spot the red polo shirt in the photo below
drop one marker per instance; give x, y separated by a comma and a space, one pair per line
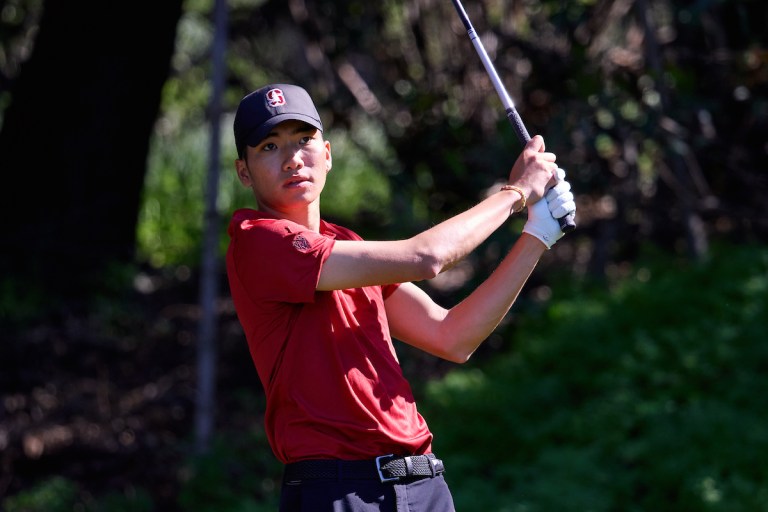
334, 386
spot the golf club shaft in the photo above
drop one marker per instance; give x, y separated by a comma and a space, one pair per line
567, 223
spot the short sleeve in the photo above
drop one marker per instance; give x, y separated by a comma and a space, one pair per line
278, 260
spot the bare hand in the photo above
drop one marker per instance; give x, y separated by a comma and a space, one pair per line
534, 171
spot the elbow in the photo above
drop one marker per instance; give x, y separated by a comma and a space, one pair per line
429, 267
455, 344
459, 354
423, 266
428, 263
457, 358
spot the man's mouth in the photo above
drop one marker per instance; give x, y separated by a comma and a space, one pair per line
295, 181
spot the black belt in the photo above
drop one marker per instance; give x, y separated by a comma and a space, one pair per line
386, 468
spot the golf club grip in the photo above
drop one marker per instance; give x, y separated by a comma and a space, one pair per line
517, 124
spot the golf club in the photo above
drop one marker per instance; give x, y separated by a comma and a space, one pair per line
567, 223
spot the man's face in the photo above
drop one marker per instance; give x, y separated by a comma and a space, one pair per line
287, 169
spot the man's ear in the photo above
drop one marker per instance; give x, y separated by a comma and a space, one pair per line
242, 172
328, 157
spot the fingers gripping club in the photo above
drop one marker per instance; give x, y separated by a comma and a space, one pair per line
567, 222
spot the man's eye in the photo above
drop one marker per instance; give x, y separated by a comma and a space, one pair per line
269, 146
306, 139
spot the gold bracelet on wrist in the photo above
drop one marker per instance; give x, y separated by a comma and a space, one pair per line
522, 196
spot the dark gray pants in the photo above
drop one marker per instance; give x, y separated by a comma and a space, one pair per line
416, 495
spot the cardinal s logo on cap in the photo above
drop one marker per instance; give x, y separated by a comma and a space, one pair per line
275, 98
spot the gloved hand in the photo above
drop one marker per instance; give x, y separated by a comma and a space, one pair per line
557, 202
560, 200
541, 224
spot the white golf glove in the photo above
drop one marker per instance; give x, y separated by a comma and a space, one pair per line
560, 200
556, 203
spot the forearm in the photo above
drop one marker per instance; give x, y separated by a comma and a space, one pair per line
470, 322
354, 264
453, 239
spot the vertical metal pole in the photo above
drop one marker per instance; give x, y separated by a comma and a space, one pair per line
205, 406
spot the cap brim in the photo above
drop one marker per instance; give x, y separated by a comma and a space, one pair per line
262, 131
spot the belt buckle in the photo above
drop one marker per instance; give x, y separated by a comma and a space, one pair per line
378, 469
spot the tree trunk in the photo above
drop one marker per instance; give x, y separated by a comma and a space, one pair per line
75, 139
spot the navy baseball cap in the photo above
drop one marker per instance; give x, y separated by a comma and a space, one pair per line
266, 107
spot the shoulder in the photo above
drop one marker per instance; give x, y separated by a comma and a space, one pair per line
339, 232
246, 221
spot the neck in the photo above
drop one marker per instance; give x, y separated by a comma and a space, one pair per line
308, 217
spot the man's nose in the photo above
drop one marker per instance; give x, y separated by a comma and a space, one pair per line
292, 159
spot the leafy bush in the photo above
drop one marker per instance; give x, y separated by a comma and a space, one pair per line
239, 474
133, 500
54, 495
59, 494
646, 396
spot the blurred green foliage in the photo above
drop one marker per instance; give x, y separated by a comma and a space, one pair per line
59, 494
358, 183
238, 474
647, 395
170, 222
54, 495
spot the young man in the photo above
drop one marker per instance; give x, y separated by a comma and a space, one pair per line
319, 307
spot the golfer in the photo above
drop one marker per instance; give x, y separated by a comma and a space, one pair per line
319, 307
